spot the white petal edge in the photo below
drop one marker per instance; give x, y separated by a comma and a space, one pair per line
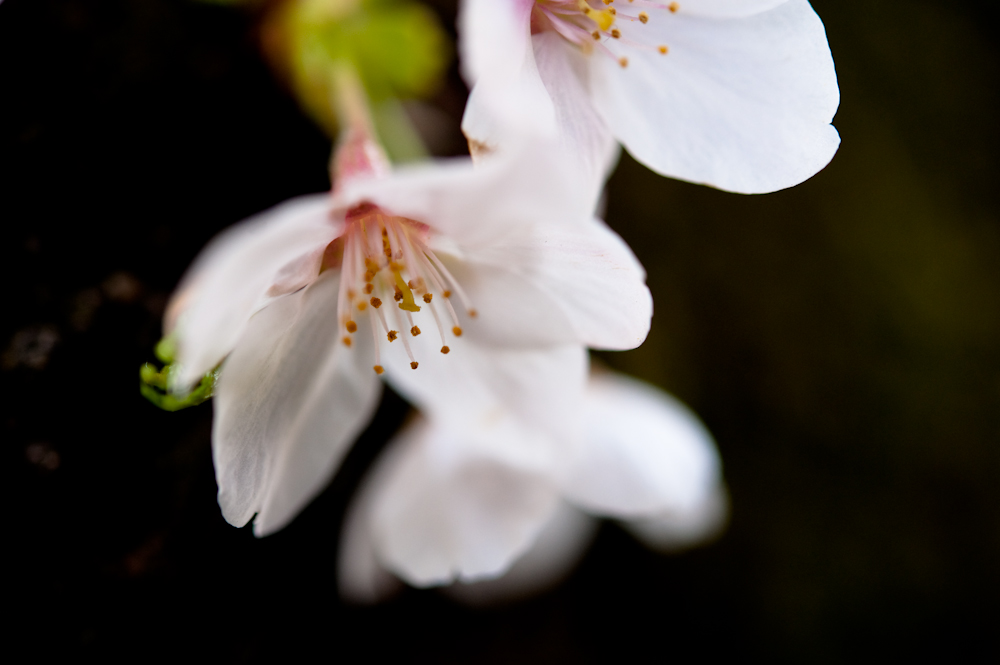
743, 104
726, 8
643, 453
289, 402
238, 273
556, 552
507, 98
556, 284
676, 532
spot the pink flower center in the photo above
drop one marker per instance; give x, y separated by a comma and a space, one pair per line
591, 23
385, 261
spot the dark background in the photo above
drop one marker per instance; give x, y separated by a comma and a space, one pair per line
841, 340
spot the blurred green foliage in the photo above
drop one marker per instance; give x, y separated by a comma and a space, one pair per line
397, 47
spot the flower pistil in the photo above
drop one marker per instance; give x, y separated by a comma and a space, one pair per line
386, 259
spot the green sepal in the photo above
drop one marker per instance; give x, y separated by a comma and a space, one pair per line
153, 384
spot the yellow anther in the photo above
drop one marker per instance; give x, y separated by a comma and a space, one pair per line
428, 297
473, 313
352, 327
392, 335
371, 265
398, 295
369, 275
414, 364
369, 288
378, 369
346, 341
447, 293
602, 17
643, 17
376, 303
414, 331
673, 6
407, 299
445, 349
595, 34
616, 33
663, 49
614, 12
362, 306
456, 331
623, 62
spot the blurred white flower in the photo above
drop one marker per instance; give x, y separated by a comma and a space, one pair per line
737, 94
503, 508
488, 282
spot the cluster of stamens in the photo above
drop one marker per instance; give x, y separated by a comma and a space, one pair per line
588, 24
385, 260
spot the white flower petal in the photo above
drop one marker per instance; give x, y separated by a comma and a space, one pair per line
643, 453
559, 547
557, 284
238, 273
475, 386
361, 579
448, 510
743, 104
674, 532
474, 207
582, 132
507, 97
289, 402
495, 34
726, 8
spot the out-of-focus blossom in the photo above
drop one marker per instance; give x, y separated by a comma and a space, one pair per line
502, 508
472, 290
737, 94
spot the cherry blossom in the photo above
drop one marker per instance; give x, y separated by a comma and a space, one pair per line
463, 287
736, 94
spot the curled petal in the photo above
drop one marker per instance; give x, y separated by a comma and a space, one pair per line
643, 454
743, 104
290, 400
240, 272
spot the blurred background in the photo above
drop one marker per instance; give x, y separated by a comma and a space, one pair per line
840, 339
